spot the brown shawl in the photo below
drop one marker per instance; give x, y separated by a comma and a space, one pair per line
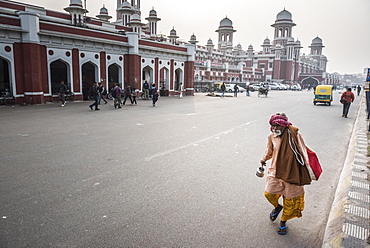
288, 168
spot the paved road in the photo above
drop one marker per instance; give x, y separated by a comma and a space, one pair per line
178, 174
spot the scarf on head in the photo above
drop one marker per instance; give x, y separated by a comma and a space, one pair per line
290, 163
279, 120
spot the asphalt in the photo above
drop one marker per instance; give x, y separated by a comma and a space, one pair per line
348, 223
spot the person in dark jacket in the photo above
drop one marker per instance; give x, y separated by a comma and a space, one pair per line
128, 92
95, 94
62, 93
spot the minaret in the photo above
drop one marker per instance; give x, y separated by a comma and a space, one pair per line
283, 27
104, 14
225, 34
153, 19
135, 23
266, 46
77, 11
125, 11
173, 36
193, 39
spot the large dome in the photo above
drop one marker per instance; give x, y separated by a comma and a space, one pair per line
226, 22
284, 15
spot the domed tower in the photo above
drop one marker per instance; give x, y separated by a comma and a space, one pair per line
135, 23
173, 36
210, 45
283, 27
266, 46
77, 11
104, 14
193, 39
124, 12
153, 19
225, 34
316, 46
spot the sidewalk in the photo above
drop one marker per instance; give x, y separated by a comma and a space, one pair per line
348, 224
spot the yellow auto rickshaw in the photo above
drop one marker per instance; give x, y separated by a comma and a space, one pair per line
323, 94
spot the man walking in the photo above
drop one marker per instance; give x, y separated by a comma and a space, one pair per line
348, 97
223, 89
95, 94
117, 93
102, 93
62, 93
146, 90
128, 92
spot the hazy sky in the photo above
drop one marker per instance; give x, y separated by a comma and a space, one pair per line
343, 25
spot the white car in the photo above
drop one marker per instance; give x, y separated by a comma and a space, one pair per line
295, 87
274, 86
230, 88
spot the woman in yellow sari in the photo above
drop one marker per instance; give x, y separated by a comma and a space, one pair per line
288, 173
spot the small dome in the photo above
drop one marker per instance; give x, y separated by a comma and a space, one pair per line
75, 3
266, 41
173, 31
284, 15
250, 47
317, 41
226, 22
104, 11
193, 37
278, 46
126, 5
298, 42
153, 13
135, 18
209, 42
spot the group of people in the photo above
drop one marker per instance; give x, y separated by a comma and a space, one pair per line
120, 97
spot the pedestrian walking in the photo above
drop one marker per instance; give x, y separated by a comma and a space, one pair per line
102, 93
154, 94
236, 88
134, 94
128, 92
223, 89
346, 99
62, 93
247, 91
358, 90
95, 94
146, 90
117, 96
288, 171
181, 89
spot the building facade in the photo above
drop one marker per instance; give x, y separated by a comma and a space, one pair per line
40, 47
278, 61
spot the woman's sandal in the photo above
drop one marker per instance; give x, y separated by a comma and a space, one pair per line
274, 214
282, 230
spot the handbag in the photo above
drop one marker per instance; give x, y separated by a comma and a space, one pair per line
314, 164
342, 101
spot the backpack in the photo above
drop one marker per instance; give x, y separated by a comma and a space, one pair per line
114, 93
104, 92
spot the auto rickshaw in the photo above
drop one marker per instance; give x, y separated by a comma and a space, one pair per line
323, 94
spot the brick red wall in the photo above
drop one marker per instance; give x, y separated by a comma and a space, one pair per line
132, 69
189, 77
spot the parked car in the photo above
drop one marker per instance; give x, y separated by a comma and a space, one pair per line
295, 87
282, 86
230, 88
274, 86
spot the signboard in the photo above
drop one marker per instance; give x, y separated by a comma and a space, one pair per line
368, 75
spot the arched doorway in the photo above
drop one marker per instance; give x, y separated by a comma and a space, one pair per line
58, 73
309, 83
147, 75
164, 84
178, 79
5, 85
88, 78
113, 75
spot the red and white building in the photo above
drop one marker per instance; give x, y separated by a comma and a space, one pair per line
279, 61
41, 47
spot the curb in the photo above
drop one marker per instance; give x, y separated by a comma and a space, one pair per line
348, 222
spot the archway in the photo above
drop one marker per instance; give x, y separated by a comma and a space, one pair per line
309, 83
58, 73
164, 84
88, 78
147, 75
178, 79
5, 85
113, 75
